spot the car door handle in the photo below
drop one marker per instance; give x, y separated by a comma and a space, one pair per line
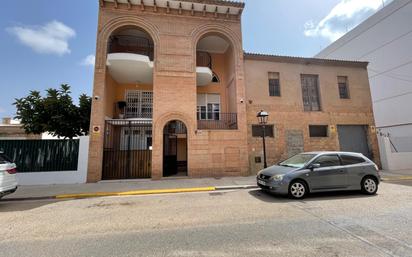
341, 171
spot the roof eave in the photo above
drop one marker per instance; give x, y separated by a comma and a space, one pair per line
218, 2
304, 60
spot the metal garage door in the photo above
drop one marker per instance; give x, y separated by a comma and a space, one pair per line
354, 139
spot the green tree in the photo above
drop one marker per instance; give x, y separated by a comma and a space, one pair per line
55, 113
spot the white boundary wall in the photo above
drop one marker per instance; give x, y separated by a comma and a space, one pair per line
384, 40
394, 161
78, 176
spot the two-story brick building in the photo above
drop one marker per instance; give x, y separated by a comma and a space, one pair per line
174, 94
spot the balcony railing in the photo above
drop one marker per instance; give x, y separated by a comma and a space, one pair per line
131, 44
203, 59
219, 121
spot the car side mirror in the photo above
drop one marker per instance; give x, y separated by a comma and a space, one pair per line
314, 166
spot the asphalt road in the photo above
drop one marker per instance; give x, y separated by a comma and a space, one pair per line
232, 223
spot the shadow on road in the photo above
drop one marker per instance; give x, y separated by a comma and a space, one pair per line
273, 198
13, 206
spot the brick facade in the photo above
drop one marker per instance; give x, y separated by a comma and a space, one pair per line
291, 122
175, 34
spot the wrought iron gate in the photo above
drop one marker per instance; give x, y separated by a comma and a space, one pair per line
127, 149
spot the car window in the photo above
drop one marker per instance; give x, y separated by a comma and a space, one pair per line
4, 159
298, 161
349, 160
328, 160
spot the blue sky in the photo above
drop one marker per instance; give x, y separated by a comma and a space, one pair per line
45, 43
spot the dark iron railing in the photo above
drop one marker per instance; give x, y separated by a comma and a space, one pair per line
220, 121
42, 155
203, 59
131, 44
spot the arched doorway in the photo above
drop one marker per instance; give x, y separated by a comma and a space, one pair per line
175, 149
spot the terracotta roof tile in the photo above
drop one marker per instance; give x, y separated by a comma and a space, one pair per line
304, 60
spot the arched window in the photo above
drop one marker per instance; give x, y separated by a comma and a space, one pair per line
215, 78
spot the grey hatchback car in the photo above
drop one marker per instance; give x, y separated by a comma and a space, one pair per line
319, 172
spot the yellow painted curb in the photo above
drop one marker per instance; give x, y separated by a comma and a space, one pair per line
138, 192
395, 178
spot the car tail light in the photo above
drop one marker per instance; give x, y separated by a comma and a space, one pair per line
12, 171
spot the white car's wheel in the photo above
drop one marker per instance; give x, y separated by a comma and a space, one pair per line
298, 189
369, 185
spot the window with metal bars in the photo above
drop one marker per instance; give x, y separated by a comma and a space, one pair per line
274, 84
343, 87
310, 93
139, 104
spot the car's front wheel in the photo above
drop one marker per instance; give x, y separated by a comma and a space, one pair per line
298, 189
369, 185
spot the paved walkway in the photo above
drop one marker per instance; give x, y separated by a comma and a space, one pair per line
397, 174
174, 184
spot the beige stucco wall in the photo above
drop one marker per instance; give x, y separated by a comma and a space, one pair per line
181, 149
116, 92
286, 112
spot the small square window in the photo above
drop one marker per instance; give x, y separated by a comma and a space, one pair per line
343, 87
274, 84
318, 130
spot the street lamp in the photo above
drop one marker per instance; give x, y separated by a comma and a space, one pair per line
263, 120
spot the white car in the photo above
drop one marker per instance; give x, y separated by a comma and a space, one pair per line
8, 177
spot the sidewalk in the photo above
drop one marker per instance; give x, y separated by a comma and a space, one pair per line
396, 175
130, 187
147, 186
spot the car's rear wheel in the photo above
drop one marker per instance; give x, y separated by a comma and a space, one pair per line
298, 189
369, 185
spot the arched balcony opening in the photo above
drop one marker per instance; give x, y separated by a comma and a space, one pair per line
129, 80
216, 83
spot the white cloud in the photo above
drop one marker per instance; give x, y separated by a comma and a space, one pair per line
51, 38
89, 60
343, 17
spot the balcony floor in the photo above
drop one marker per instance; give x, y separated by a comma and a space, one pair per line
130, 68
